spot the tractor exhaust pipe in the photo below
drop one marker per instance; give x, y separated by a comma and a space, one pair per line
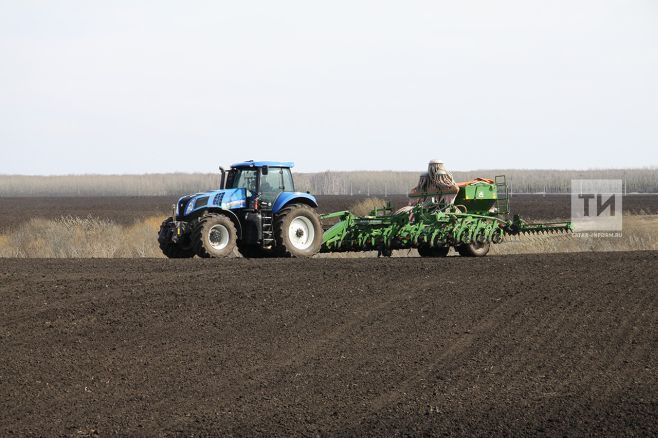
222, 179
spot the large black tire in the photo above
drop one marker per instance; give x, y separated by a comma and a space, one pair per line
303, 223
170, 249
433, 251
214, 235
473, 249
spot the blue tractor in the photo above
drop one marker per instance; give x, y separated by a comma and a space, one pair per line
256, 209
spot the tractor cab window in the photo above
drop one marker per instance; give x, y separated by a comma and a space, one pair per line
288, 184
242, 178
275, 181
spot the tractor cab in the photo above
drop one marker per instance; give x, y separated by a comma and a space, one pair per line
265, 180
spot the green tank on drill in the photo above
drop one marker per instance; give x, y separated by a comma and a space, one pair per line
478, 218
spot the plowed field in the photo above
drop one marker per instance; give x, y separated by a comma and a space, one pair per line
534, 344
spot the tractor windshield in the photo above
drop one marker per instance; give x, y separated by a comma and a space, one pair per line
275, 181
242, 178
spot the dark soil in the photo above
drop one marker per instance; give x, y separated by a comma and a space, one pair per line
536, 344
121, 209
126, 210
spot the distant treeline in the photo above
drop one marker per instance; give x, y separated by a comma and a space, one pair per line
322, 183
520, 180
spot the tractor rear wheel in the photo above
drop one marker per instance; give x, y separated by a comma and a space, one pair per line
433, 251
173, 250
298, 231
214, 235
473, 249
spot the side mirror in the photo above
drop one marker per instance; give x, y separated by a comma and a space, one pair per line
265, 170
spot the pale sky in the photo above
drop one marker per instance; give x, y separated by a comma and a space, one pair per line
158, 86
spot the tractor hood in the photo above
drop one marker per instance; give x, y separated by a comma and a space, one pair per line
227, 199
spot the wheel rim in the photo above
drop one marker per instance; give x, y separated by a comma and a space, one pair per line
301, 232
218, 237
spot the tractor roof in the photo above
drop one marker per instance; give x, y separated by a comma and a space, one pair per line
252, 163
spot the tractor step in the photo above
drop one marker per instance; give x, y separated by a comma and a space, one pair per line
267, 224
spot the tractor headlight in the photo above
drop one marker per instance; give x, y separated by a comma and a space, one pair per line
190, 207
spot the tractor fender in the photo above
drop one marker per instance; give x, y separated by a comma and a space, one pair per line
287, 198
231, 215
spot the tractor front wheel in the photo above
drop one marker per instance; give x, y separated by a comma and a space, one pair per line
298, 231
473, 249
171, 249
214, 235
